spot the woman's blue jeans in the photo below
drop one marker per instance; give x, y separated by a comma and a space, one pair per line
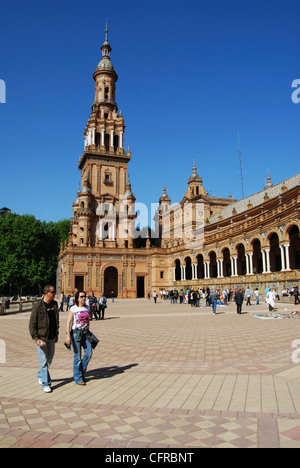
45, 355
214, 305
80, 365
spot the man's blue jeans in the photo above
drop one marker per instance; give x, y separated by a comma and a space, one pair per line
214, 305
80, 365
45, 356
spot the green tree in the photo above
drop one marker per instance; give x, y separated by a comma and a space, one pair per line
4, 211
29, 251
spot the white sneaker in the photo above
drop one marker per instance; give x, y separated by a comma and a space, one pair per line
40, 381
47, 390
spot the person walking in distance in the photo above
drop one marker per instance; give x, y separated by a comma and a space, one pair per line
93, 306
214, 296
77, 330
44, 329
256, 294
239, 298
248, 294
102, 306
296, 295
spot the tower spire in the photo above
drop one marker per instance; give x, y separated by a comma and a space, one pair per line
106, 32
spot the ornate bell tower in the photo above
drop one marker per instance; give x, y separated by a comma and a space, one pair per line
104, 185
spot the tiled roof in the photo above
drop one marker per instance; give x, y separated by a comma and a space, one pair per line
256, 199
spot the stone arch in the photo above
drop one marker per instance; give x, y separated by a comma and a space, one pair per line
294, 249
200, 265
111, 276
241, 258
287, 229
257, 259
226, 257
269, 234
213, 265
226, 246
188, 268
177, 266
275, 253
254, 238
236, 245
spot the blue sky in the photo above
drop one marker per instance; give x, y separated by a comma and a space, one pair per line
192, 75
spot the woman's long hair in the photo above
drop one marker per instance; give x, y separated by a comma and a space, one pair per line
77, 296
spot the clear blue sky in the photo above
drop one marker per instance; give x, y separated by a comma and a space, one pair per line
192, 74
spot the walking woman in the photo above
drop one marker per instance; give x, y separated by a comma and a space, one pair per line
77, 332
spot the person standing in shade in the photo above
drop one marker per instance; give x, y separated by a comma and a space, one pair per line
239, 301
77, 330
44, 328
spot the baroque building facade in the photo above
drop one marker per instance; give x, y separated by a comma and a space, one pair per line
202, 241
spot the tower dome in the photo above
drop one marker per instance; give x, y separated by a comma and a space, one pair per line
105, 63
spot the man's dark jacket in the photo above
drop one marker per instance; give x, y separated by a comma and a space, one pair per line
39, 321
239, 298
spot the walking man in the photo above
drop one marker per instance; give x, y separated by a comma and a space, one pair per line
248, 295
43, 328
239, 298
214, 296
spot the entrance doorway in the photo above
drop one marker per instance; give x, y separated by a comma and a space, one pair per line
140, 286
111, 282
79, 283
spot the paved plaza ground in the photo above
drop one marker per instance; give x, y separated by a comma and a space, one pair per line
163, 375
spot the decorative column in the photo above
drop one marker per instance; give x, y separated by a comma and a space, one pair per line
232, 266
221, 274
220, 268
249, 263
235, 259
287, 256
268, 260
102, 136
207, 269
112, 139
264, 261
282, 251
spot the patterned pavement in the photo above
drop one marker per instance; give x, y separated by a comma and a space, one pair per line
162, 376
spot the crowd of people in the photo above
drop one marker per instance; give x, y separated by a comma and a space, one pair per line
96, 307
213, 297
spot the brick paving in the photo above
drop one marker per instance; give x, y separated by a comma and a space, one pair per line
162, 375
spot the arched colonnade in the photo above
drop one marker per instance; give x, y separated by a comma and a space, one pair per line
278, 250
